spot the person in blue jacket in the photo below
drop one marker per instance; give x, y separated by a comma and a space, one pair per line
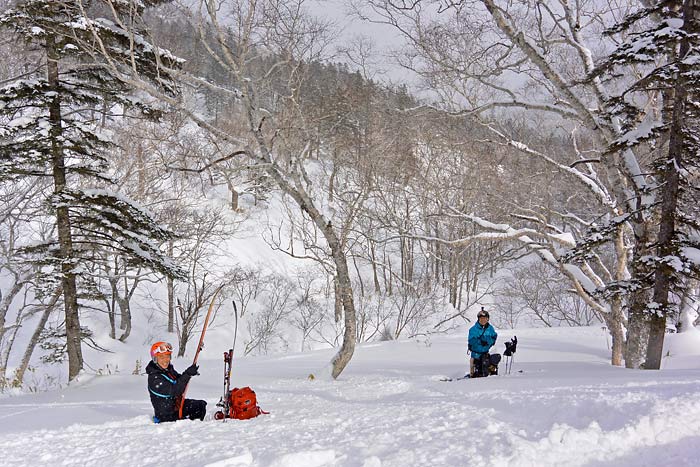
167, 385
482, 336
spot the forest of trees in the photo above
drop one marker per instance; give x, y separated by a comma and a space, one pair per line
545, 165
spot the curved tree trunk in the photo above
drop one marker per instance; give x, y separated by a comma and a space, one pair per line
344, 355
291, 181
24, 364
5, 303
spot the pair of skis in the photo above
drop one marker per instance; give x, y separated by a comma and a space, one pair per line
225, 402
447, 378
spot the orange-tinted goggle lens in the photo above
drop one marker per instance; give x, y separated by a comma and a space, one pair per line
163, 348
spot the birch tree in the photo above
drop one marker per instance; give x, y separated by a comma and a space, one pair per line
537, 57
662, 43
263, 49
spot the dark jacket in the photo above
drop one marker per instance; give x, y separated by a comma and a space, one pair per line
481, 339
165, 386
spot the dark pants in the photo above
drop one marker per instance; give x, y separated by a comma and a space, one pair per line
485, 365
192, 408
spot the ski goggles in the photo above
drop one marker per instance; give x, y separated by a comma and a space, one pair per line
480, 315
162, 348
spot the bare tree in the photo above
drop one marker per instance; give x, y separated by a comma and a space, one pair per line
275, 307
467, 51
537, 291
290, 38
246, 285
309, 313
45, 310
201, 232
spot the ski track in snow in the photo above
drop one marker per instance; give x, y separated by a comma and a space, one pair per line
387, 410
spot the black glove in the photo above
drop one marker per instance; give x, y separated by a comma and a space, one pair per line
483, 342
192, 370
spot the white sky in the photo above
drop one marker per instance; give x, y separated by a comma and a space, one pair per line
384, 37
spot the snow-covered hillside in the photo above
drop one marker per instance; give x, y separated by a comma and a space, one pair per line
562, 405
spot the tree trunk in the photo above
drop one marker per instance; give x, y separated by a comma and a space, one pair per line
359, 276
638, 317
375, 275
637, 329
388, 276
337, 301
5, 305
614, 323
234, 194
344, 355
63, 226
687, 306
124, 318
453, 279
111, 314
5, 355
331, 184
184, 337
670, 179
125, 310
171, 294
234, 199
26, 358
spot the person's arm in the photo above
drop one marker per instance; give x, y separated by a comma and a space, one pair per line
493, 336
181, 384
472, 340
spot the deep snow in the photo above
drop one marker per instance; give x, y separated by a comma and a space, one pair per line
568, 407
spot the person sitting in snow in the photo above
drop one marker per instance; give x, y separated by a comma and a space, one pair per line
167, 385
482, 336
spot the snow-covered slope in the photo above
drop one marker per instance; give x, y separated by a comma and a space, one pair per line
563, 405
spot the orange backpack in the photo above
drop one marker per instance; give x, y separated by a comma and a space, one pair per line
244, 404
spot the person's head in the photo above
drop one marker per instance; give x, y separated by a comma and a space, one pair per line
483, 317
160, 353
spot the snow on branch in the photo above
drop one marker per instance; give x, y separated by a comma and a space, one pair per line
592, 184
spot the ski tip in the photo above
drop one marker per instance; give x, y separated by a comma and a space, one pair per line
441, 378
451, 378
